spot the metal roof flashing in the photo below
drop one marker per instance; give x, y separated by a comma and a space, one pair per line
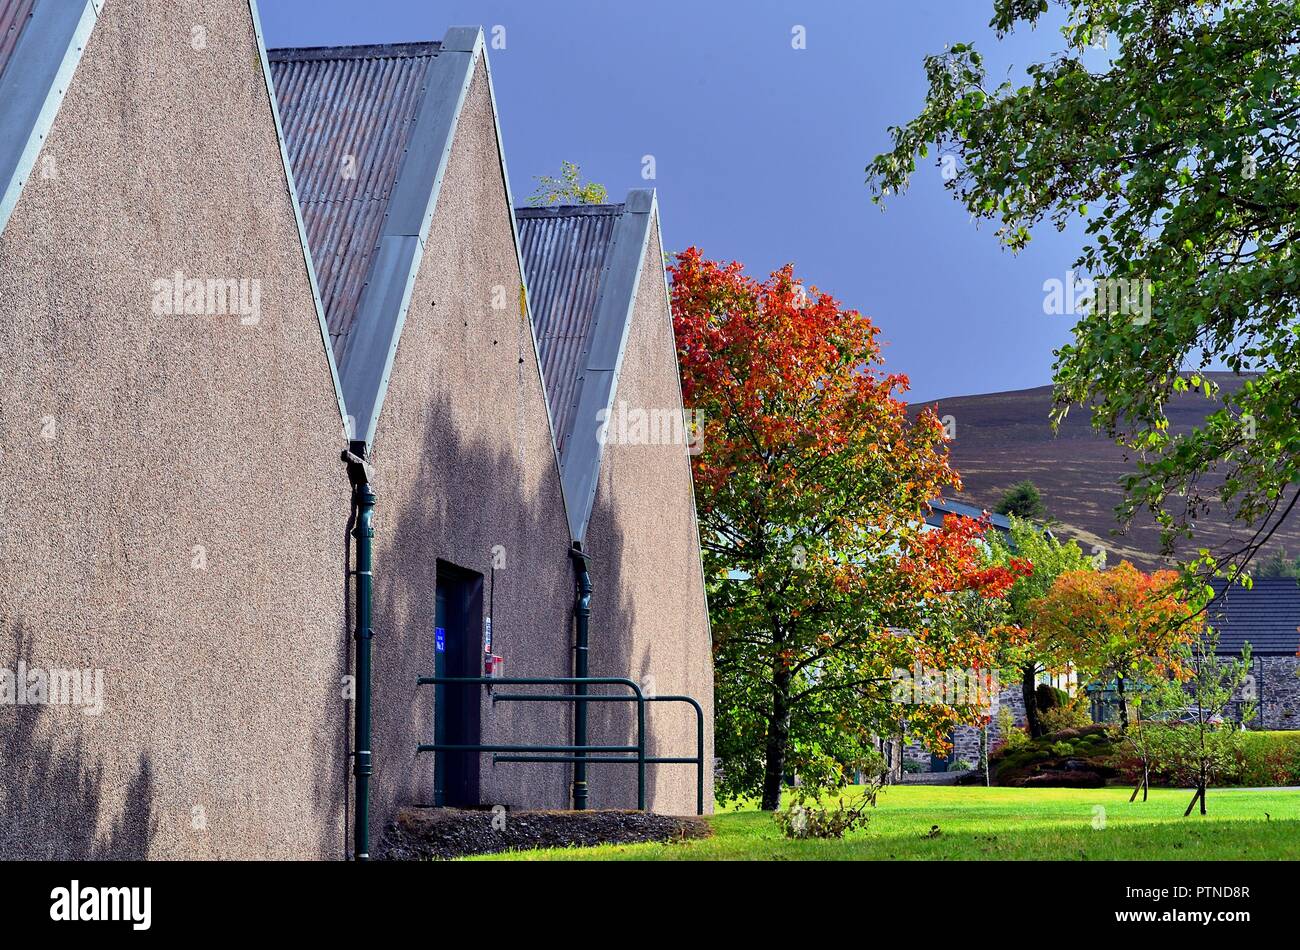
297, 214
42, 47
398, 105
584, 383
381, 313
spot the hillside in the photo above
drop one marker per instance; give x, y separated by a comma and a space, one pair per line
1002, 438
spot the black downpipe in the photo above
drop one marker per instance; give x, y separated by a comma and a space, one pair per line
582, 623
363, 500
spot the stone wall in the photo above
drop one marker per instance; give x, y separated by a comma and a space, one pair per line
966, 739
1276, 691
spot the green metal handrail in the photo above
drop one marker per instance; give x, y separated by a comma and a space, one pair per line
578, 753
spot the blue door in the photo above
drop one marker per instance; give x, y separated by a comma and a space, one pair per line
457, 651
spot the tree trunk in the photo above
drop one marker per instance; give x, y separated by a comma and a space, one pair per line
1123, 704
1031, 702
778, 739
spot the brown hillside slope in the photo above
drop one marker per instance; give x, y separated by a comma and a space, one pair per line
1002, 438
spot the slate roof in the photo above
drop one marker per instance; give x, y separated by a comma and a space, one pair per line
582, 267
941, 507
1266, 615
347, 114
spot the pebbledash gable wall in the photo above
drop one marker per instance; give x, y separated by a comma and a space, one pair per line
464, 464
649, 617
174, 504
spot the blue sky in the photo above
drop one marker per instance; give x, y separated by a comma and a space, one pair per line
759, 148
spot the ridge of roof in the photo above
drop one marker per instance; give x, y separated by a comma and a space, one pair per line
570, 211
292, 54
367, 352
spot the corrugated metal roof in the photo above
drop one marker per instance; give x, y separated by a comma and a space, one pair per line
582, 266
564, 249
1266, 616
348, 113
14, 15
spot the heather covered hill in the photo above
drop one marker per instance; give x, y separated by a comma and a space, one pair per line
1002, 438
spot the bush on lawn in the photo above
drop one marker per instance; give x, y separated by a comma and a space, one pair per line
1266, 758
1071, 758
808, 817
1255, 759
1011, 736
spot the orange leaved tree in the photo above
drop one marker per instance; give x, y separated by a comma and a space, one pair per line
1119, 622
812, 483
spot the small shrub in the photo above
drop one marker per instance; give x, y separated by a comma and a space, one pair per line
1073, 714
808, 817
911, 766
1012, 737
1266, 758
1062, 748
1049, 697
960, 765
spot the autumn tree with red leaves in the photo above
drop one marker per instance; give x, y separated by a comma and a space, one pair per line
812, 484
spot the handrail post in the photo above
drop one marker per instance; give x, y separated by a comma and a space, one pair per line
640, 752
699, 753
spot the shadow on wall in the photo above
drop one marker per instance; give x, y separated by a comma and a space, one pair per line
51, 794
465, 499
612, 647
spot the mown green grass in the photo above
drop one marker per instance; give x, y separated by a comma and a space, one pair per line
1002, 824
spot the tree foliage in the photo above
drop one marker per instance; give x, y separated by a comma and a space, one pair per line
1023, 500
811, 485
567, 189
1178, 147
1051, 557
1119, 622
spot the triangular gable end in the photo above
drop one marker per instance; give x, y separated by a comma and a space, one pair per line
35, 72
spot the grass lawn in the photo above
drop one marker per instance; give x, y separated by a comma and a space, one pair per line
1002, 824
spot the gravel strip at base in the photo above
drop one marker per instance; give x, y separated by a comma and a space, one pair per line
422, 834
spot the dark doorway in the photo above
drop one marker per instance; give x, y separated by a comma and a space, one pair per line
940, 763
458, 651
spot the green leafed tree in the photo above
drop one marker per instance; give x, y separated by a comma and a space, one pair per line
1051, 557
1199, 745
567, 189
1171, 130
1023, 500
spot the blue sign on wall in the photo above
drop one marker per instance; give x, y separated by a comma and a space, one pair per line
440, 639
